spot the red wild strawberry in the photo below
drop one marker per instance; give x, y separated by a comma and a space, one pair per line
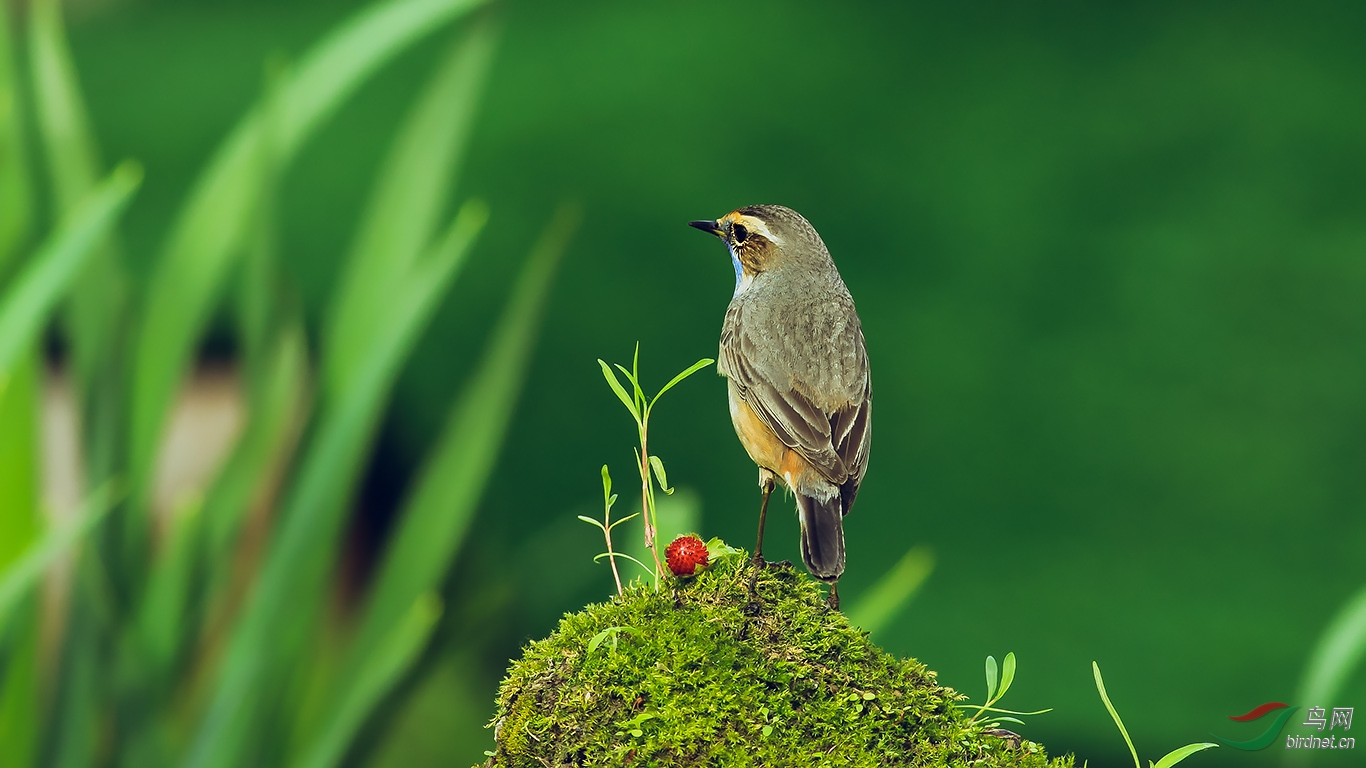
685, 555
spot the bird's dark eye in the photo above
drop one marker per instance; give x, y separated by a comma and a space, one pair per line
739, 233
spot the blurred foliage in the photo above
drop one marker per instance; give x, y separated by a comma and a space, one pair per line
1108, 259
180, 641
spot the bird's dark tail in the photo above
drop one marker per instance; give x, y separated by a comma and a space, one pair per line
822, 534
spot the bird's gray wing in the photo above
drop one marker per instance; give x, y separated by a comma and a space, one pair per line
798, 422
852, 436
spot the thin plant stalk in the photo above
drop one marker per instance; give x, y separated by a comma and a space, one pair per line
607, 499
650, 466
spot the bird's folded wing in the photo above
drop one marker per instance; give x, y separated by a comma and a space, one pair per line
800, 424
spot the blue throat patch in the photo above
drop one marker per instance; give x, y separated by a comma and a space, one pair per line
739, 270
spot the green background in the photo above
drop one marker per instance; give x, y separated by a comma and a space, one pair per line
1110, 261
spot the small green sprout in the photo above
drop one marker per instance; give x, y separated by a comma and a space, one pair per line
606, 526
996, 692
611, 633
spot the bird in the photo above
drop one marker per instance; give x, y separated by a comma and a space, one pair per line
796, 365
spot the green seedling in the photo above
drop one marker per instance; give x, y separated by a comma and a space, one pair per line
651, 467
1171, 758
995, 692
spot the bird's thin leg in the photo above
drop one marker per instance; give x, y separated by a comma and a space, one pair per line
758, 563
833, 601
763, 512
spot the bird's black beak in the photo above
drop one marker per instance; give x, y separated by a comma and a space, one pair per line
707, 225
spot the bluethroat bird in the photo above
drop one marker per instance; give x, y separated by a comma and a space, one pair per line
793, 354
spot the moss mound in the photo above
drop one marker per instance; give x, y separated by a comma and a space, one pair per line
707, 677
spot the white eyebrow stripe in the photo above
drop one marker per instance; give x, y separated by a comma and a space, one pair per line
758, 227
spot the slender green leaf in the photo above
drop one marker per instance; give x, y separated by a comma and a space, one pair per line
690, 370
991, 678
598, 557
1100, 686
628, 518
1007, 674
437, 514
635, 379
1177, 755
213, 225
607, 497
637, 394
591, 521
26, 306
1005, 711
617, 388
17, 210
658, 465
893, 590
296, 566
408, 200
392, 658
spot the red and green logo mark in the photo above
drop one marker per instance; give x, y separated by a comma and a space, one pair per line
1272, 731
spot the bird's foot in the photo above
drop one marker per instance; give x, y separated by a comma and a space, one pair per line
756, 564
833, 601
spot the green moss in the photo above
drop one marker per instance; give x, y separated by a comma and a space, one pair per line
708, 680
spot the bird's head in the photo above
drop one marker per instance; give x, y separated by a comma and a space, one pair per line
760, 237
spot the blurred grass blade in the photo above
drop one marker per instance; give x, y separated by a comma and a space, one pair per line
407, 202
72, 157
1337, 655
95, 306
392, 657
165, 612
22, 575
886, 598
277, 408
296, 564
249, 483
19, 530
16, 201
26, 306
77, 706
19, 447
258, 294
212, 227
439, 509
